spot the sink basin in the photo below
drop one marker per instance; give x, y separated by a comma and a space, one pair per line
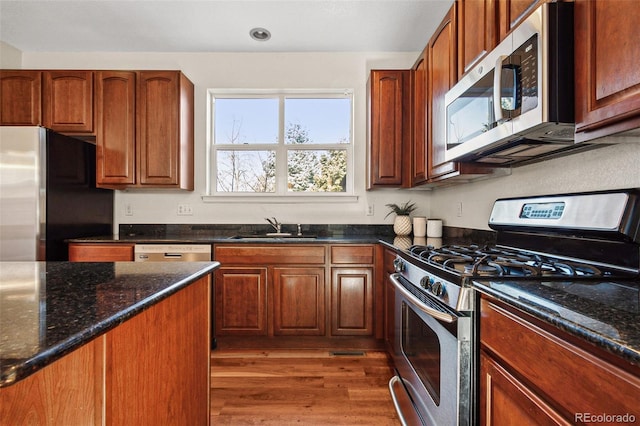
273, 237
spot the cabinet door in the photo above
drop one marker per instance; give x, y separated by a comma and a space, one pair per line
418, 157
165, 129
477, 32
20, 98
607, 55
389, 125
511, 12
68, 101
352, 301
115, 135
240, 301
442, 76
107, 252
298, 301
504, 400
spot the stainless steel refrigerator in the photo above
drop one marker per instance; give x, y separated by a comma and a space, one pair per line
48, 194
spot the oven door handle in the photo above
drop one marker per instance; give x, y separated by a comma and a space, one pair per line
442, 316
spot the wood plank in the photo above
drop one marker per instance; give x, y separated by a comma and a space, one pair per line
305, 386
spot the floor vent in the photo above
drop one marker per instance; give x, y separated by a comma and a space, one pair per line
347, 353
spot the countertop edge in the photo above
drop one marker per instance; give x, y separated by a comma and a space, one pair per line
73, 342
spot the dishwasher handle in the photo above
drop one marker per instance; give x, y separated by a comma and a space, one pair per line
173, 256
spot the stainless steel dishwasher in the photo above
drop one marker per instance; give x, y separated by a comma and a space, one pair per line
172, 252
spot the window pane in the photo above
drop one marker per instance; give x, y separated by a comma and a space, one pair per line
317, 120
246, 171
246, 121
317, 171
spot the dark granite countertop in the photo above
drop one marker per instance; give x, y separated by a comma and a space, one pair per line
199, 239
606, 314
48, 309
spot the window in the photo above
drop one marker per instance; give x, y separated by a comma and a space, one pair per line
281, 143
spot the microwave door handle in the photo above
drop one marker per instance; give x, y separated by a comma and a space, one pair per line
442, 316
497, 88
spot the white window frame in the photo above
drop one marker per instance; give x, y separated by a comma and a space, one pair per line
281, 193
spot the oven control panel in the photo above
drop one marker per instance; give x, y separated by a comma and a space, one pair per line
430, 283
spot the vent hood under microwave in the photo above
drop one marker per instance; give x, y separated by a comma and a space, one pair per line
516, 106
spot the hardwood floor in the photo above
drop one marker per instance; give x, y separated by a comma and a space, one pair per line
303, 386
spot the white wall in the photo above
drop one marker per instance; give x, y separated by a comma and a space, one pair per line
251, 70
604, 168
10, 57
609, 167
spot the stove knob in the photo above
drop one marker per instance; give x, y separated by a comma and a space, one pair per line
425, 282
437, 288
398, 265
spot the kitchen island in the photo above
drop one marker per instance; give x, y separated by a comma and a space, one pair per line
104, 343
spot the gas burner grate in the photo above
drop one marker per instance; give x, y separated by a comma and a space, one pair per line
487, 261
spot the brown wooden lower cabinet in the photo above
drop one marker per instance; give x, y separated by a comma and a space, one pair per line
151, 370
298, 301
283, 290
107, 252
533, 374
506, 400
240, 301
352, 301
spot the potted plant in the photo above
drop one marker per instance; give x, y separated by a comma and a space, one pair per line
402, 222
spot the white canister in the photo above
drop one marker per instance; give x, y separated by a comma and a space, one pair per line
434, 228
419, 226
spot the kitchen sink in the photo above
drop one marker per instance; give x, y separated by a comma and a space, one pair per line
273, 237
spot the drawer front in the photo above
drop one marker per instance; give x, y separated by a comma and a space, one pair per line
269, 254
352, 254
572, 377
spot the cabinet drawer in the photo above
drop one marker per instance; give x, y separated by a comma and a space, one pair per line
268, 254
101, 252
575, 379
352, 254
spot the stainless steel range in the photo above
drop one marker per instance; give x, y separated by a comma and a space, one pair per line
586, 244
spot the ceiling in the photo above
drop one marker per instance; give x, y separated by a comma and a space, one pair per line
219, 25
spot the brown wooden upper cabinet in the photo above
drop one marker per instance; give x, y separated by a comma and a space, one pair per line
60, 100
389, 126
477, 32
145, 129
116, 129
418, 146
20, 98
442, 75
511, 12
67, 101
165, 129
607, 64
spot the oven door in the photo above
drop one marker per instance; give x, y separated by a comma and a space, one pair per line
433, 360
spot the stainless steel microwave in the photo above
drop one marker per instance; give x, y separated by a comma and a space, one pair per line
516, 106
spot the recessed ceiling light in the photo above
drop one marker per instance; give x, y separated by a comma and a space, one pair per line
260, 34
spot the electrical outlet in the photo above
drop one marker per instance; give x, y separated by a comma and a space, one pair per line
185, 210
459, 209
370, 210
128, 210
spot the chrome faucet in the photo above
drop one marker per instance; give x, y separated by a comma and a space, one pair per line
277, 226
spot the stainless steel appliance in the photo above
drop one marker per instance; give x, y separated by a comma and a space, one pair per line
586, 245
517, 105
48, 194
172, 252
